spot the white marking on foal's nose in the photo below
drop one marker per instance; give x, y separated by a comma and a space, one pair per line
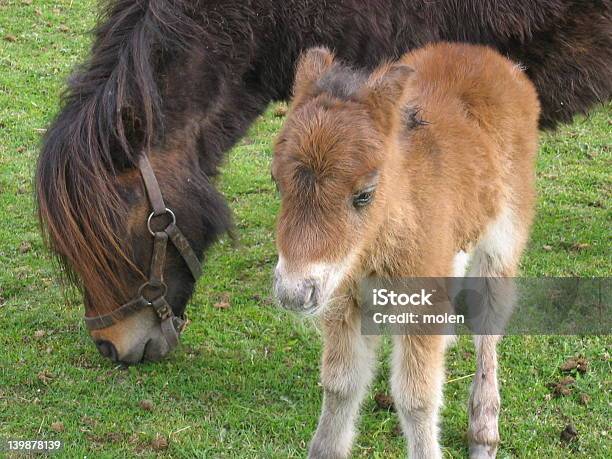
312, 285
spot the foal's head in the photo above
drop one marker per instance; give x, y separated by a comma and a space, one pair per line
331, 165
91, 196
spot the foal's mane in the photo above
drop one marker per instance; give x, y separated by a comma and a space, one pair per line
111, 109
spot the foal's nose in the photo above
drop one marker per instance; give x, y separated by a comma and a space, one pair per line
306, 294
300, 296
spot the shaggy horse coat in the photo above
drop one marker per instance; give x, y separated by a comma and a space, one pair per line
183, 80
368, 192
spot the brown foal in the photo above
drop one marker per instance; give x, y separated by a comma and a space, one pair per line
422, 168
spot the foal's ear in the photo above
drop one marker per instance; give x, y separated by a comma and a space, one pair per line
311, 66
386, 91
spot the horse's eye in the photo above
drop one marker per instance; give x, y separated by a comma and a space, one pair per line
363, 198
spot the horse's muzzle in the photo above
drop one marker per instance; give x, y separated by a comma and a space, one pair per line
136, 339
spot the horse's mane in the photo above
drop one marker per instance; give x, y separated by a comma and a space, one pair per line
111, 109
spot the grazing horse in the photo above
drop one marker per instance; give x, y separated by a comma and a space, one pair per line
397, 174
170, 85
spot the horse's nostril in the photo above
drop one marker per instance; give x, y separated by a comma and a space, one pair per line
154, 350
107, 349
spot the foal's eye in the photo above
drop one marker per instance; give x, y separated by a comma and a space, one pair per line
363, 198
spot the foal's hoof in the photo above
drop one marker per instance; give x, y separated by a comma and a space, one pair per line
483, 451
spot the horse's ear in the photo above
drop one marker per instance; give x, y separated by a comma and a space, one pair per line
311, 66
386, 92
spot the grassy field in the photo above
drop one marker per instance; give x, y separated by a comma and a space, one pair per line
245, 382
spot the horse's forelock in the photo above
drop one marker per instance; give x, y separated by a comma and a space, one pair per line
111, 110
80, 213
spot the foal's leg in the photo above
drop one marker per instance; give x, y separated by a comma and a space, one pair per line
346, 371
484, 403
416, 384
495, 260
497, 299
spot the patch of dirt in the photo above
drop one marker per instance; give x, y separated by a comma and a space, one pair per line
133, 439
45, 376
584, 399
114, 437
57, 427
578, 363
562, 387
468, 355
224, 301
25, 247
146, 405
579, 246
39, 334
574, 246
86, 420
109, 437
10, 38
596, 203
569, 434
384, 402
159, 443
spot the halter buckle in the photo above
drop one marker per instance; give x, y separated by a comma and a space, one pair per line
167, 211
162, 308
161, 288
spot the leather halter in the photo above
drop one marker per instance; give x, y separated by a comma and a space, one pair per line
153, 291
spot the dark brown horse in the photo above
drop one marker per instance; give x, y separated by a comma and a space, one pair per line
181, 81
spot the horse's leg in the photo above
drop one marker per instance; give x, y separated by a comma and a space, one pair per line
416, 384
346, 371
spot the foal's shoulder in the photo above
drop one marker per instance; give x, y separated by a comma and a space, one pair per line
482, 83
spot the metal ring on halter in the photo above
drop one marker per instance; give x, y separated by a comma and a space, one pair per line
163, 288
168, 211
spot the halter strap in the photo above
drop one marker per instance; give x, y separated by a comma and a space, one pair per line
151, 185
105, 321
181, 244
152, 293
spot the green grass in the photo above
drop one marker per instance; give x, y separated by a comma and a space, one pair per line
245, 382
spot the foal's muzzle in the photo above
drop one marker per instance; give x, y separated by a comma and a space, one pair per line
298, 296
